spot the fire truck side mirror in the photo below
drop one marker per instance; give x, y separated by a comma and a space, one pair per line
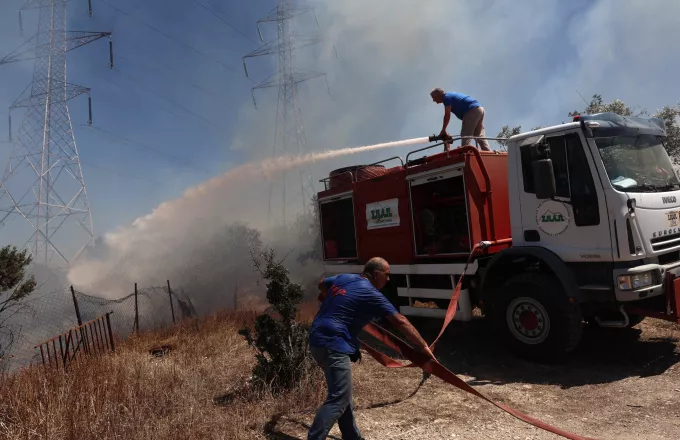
544, 178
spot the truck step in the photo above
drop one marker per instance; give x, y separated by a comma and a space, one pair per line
625, 320
463, 311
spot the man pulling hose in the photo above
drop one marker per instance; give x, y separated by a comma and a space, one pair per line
348, 303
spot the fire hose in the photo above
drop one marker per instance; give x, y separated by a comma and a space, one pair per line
432, 366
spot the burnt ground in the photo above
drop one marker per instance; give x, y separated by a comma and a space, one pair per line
619, 384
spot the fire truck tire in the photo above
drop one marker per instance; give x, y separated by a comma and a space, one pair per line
536, 318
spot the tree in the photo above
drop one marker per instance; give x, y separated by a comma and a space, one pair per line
671, 116
281, 343
597, 105
15, 286
507, 132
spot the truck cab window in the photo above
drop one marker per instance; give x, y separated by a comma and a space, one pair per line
582, 186
573, 178
558, 154
527, 175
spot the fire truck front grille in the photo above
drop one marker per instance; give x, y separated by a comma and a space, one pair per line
665, 242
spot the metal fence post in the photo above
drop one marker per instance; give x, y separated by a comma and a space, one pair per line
172, 307
80, 320
136, 311
108, 324
75, 304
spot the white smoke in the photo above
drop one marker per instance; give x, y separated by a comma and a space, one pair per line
165, 240
523, 61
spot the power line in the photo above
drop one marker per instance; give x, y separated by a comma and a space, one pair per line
584, 99
175, 40
157, 94
208, 93
154, 92
130, 176
127, 141
120, 86
224, 21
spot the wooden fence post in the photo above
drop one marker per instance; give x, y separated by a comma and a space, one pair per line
136, 311
172, 307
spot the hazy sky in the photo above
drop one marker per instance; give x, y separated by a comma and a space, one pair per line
523, 60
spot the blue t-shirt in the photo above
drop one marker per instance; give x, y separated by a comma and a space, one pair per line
460, 104
351, 302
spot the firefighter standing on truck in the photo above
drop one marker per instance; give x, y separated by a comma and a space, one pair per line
468, 110
348, 303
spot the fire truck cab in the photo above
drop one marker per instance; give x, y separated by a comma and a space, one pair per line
578, 222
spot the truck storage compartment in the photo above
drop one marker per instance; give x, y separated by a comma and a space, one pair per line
337, 228
440, 214
384, 218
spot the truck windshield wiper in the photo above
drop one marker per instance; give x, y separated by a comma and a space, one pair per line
643, 186
667, 187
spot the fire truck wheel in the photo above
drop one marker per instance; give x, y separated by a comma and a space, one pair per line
536, 317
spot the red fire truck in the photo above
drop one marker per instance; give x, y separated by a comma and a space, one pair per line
575, 223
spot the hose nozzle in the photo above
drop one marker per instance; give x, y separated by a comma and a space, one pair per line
439, 137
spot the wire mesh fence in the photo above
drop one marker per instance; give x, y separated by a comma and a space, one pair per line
44, 316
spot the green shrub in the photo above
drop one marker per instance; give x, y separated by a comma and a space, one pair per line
283, 358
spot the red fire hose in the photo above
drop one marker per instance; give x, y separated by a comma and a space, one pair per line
434, 367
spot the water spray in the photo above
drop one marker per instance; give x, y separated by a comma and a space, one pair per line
161, 231
285, 163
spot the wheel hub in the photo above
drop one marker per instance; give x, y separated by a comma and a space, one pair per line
528, 320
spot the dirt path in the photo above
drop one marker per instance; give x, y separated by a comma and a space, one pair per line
621, 384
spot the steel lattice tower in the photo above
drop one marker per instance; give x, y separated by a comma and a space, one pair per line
43, 182
289, 136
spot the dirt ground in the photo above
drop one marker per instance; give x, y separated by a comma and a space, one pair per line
620, 384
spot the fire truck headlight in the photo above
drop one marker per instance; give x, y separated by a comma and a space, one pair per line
637, 281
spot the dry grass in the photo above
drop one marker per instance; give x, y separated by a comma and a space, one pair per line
620, 385
131, 394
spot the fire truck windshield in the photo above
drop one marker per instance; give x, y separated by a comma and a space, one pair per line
637, 163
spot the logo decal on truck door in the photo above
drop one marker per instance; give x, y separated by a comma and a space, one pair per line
552, 217
383, 214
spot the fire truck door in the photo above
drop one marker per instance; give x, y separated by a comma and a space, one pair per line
574, 224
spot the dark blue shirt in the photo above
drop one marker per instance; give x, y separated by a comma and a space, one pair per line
351, 302
460, 104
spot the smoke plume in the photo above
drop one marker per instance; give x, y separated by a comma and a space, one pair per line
524, 63
211, 223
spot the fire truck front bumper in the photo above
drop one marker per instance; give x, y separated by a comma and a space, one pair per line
650, 284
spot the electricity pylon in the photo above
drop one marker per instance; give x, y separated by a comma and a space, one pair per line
43, 182
289, 135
